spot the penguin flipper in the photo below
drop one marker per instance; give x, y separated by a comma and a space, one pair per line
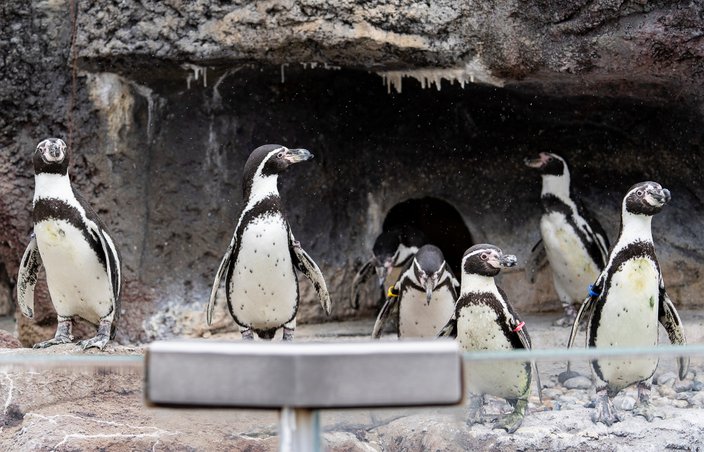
224, 264
362, 275
585, 310
383, 317
450, 329
536, 261
308, 267
112, 263
669, 319
27, 278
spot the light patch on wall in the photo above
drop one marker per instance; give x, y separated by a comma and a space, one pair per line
112, 96
375, 217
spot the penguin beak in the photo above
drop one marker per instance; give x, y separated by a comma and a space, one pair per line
538, 163
662, 196
298, 155
508, 260
428, 290
382, 272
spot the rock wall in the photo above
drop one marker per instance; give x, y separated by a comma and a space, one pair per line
163, 101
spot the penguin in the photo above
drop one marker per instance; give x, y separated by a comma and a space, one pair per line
573, 241
82, 264
392, 250
425, 295
484, 320
261, 283
625, 305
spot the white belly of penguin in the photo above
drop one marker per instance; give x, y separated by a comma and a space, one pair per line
78, 282
264, 288
629, 318
572, 267
478, 330
418, 319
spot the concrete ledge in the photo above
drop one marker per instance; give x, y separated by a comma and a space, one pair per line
310, 375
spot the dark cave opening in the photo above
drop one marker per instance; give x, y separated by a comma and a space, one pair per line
441, 223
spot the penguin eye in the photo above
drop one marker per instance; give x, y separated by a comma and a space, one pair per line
639, 193
280, 154
549, 159
484, 256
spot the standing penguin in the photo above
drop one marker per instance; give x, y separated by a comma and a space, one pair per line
485, 320
80, 259
627, 302
261, 284
392, 250
574, 242
425, 295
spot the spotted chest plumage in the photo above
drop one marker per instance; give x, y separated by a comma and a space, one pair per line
482, 325
574, 257
262, 284
626, 314
420, 319
73, 258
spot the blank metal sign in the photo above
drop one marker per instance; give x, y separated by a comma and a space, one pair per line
304, 375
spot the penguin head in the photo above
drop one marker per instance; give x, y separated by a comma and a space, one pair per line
646, 198
271, 160
548, 164
486, 260
51, 156
428, 265
393, 247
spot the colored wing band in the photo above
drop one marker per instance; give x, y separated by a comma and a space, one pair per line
591, 291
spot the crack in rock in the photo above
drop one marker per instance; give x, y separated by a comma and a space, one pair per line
155, 433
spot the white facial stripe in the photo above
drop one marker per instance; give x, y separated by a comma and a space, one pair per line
263, 186
56, 186
476, 252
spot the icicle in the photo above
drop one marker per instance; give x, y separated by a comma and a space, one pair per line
197, 71
434, 76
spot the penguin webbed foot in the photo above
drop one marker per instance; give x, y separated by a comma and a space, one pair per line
647, 410
644, 407
512, 421
288, 335
605, 412
99, 342
62, 336
57, 340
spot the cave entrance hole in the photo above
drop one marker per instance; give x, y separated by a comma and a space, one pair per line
441, 223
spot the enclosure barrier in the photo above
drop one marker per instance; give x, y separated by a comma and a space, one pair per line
300, 379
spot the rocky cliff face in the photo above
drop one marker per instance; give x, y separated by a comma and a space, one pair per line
163, 101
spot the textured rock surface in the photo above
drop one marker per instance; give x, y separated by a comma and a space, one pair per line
170, 97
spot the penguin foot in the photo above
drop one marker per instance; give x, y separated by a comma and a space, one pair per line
288, 334
99, 342
247, 335
57, 340
510, 422
605, 411
646, 410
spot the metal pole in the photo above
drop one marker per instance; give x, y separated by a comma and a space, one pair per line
299, 430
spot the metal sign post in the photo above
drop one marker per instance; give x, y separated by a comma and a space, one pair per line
302, 378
